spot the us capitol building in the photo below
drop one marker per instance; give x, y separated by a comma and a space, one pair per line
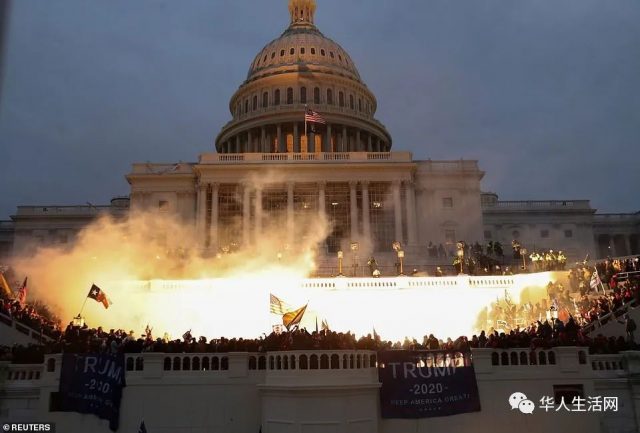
267, 171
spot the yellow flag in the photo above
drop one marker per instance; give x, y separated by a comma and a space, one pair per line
5, 286
293, 317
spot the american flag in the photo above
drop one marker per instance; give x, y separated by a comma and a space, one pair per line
313, 117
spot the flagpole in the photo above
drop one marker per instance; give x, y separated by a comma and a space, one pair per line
305, 125
82, 308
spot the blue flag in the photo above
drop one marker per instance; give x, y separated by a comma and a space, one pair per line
92, 383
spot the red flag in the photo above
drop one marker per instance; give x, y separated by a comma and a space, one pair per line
97, 294
22, 292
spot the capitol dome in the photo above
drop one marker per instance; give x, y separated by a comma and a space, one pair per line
302, 70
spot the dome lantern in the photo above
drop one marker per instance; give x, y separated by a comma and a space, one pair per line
302, 11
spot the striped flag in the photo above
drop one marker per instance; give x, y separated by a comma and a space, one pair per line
311, 116
98, 295
277, 305
22, 293
595, 280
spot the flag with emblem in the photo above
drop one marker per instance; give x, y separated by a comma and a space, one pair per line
595, 280
98, 295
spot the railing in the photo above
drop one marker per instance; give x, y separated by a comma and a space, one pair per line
601, 321
607, 362
524, 357
320, 360
318, 157
192, 362
22, 328
286, 108
23, 372
66, 210
540, 204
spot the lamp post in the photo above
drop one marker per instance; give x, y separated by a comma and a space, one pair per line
523, 252
400, 258
461, 259
340, 257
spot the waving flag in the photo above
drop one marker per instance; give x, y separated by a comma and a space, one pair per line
595, 280
293, 317
311, 116
277, 305
22, 293
98, 295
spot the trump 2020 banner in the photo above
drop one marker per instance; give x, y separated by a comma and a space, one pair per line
421, 384
92, 383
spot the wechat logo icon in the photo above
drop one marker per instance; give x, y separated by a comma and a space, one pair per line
519, 401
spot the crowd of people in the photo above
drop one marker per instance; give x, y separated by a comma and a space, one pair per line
29, 315
558, 322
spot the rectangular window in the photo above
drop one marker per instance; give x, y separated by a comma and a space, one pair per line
544, 233
487, 234
450, 236
447, 202
568, 233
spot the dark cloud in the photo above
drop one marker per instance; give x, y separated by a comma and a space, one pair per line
545, 94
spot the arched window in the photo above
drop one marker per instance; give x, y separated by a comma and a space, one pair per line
313, 364
360, 105
322, 53
351, 104
292, 51
186, 363
205, 363
255, 102
302, 50
51, 365
313, 51
215, 363
504, 358
341, 99
196, 364
290, 95
514, 358
139, 363
273, 55
316, 95
167, 364
246, 106
303, 95
335, 362
265, 99
129, 364
281, 53
331, 54
176, 363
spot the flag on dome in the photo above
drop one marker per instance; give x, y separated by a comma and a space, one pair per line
98, 295
313, 117
293, 317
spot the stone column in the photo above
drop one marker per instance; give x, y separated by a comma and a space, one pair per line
238, 143
322, 186
290, 227
296, 138
344, 140
201, 215
378, 149
311, 142
370, 143
263, 141
258, 214
358, 145
246, 215
249, 147
282, 148
213, 229
412, 232
397, 207
354, 210
366, 221
327, 139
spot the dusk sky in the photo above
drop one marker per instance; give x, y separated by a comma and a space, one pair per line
545, 94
